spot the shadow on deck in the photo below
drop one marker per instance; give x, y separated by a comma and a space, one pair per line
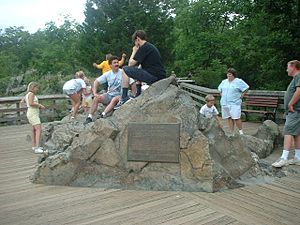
25, 203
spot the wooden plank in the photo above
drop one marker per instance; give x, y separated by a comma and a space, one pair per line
25, 203
236, 209
217, 220
264, 207
264, 201
172, 216
97, 207
147, 212
286, 189
206, 215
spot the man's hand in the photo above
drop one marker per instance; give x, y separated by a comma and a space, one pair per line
131, 61
97, 95
42, 106
291, 107
123, 55
135, 48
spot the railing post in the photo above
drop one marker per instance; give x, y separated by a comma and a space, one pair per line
18, 113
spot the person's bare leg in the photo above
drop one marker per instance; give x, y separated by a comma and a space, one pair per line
133, 89
112, 104
76, 99
33, 137
73, 104
38, 132
239, 125
125, 85
297, 142
94, 106
288, 141
231, 124
125, 80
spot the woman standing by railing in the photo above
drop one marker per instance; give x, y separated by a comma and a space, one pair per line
232, 91
33, 115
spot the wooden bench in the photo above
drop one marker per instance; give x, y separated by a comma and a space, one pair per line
260, 105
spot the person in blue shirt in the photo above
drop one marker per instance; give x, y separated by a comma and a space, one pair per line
113, 94
232, 91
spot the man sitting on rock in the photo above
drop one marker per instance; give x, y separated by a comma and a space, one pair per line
113, 94
148, 57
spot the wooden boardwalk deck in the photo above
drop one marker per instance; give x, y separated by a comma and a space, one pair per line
25, 203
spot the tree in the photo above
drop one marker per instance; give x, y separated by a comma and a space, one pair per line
268, 39
256, 37
56, 48
204, 34
109, 25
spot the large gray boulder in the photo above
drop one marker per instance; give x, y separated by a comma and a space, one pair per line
265, 140
96, 155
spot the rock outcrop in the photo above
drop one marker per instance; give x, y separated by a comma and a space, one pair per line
96, 155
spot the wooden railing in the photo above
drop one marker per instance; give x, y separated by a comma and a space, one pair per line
198, 94
58, 106
12, 112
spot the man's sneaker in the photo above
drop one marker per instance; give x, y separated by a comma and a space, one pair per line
294, 161
280, 163
39, 150
121, 102
88, 120
101, 116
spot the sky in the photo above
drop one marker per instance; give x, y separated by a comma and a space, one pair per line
34, 14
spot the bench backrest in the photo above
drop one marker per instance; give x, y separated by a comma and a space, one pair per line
261, 101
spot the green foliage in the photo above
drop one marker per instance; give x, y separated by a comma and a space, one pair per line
212, 76
256, 37
202, 29
110, 24
14, 52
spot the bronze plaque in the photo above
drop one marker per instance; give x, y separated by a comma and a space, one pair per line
153, 142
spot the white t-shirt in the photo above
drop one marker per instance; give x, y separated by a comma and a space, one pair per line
114, 81
209, 112
74, 84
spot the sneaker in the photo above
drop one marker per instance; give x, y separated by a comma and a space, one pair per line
101, 116
88, 120
39, 150
121, 102
280, 163
294, 161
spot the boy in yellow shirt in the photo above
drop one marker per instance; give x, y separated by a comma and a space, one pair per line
105, 67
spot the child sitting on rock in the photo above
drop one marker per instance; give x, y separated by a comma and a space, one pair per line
209, 110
